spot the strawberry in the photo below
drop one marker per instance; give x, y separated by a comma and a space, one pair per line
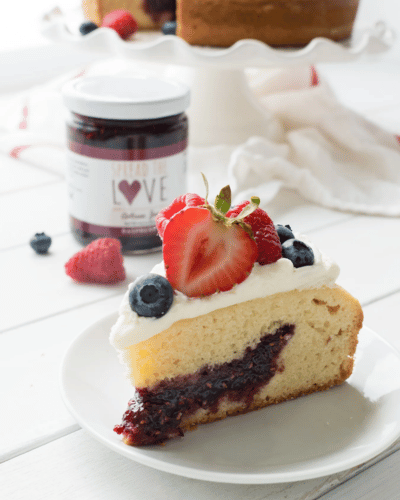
99, 262
122, 22
202, 255
265, 234
186, 200
206, 252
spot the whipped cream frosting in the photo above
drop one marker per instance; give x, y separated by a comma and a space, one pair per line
265, 280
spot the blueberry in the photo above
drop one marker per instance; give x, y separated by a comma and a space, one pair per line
40, 243
151, 296
87, 27
298, 252
169, 28
284, 232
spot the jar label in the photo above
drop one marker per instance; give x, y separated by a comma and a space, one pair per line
123, 194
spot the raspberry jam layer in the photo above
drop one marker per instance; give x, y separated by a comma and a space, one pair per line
155, 415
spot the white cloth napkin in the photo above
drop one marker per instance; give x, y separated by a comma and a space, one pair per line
328, 154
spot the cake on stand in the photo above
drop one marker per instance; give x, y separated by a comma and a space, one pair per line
223, 109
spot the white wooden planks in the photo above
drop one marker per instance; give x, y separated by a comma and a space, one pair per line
30, 358
302, 216
43, 209
78, 466
380, 316
367, 250
382, 482
37, 286
16, 176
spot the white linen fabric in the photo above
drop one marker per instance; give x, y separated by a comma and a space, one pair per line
327, 153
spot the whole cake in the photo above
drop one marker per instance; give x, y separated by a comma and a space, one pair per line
221, 23
239, 315
276, 22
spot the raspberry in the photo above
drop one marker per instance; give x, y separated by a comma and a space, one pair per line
99, 262
186, 200
264, 232
122, 22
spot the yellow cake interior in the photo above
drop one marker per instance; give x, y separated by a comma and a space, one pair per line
320, 353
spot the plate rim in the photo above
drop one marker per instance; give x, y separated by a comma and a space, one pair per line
134, 453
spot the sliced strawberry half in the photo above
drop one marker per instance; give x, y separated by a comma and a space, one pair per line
204, 254
165, 215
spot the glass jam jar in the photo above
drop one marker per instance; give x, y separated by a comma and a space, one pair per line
127, 141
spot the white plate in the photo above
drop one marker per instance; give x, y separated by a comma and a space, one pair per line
302, 439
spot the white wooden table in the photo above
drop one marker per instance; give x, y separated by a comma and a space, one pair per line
43, 452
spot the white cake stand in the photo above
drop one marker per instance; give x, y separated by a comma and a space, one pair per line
223, 109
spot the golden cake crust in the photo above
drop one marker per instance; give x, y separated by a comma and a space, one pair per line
276, 22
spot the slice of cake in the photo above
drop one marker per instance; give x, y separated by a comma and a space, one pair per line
221, 23
239, 315
149, 14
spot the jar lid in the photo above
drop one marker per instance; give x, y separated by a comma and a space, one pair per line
125, 97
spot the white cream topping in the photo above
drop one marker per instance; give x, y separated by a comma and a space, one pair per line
266, 280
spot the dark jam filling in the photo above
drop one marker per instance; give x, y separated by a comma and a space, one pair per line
156, 415
160, 10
